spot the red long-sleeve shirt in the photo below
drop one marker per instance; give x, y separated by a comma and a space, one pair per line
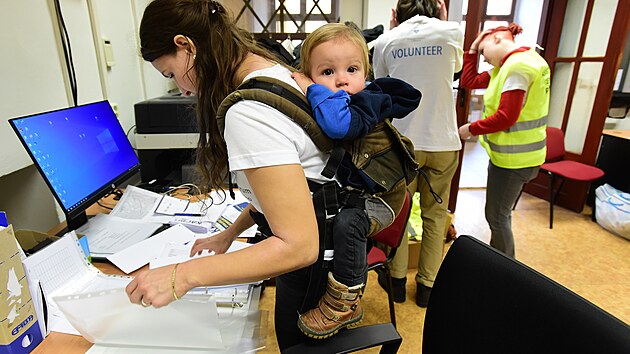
510, 103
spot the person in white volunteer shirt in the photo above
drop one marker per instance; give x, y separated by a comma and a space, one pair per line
426, 51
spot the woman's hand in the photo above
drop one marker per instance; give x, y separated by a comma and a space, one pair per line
474, 47
218, 243
155, 287
464, 132
302, 80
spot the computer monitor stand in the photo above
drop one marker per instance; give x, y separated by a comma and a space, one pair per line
73, 223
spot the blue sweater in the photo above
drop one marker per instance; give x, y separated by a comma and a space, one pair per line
345, 117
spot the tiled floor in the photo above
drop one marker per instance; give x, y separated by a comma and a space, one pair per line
474, 166
577, 253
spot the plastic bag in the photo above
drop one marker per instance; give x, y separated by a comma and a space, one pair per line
612, 210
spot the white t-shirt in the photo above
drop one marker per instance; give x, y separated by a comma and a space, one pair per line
259, 136
426, 53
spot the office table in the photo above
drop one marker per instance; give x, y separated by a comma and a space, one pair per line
57, 342
613, 152
614, 149
64, 343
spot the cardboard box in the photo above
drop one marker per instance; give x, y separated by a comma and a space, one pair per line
32, 241
476, 102
414, 246
414, 254
19, 329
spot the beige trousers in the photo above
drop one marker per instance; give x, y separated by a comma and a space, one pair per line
440, 168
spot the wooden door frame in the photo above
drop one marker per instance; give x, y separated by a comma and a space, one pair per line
574, 194
473, 20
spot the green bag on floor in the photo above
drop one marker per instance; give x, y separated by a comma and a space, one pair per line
414, 226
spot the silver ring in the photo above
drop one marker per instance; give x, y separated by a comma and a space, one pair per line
144, 304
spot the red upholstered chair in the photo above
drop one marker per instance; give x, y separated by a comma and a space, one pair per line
557, 167
391, 237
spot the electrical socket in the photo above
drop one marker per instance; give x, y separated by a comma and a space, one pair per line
114, 108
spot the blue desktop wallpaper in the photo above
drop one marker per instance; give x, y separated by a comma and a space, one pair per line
78, 149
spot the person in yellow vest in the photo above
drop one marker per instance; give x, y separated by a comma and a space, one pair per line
513, 125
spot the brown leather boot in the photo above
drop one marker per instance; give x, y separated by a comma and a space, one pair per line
338, 308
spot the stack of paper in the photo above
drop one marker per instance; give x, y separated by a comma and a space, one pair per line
62, 268
82, 300
107, 317
140, 213
108, 234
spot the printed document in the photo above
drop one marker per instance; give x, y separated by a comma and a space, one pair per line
108, 317
173, 252
83, 301
140, 254
108, 234
62, 268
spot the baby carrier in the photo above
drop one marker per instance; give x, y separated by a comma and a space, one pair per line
384, 158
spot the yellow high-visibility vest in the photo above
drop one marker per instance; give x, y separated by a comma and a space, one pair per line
523, 144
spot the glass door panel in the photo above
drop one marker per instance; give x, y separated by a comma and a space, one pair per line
572, 28
582, 106
600, 27
528, 15
560, 83
499, 7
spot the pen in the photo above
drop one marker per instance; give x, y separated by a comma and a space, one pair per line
188, 214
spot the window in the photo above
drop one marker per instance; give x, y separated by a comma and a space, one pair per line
293, 16
497, 13
287, 16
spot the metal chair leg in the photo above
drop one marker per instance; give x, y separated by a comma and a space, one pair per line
553, 195
390, 296
551, 199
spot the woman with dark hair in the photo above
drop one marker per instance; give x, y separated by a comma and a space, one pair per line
198, 45
513, 125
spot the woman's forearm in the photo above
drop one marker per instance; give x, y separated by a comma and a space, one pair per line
268, 258
470, 78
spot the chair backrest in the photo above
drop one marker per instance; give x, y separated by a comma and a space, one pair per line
555, 144
500, 305
393, 234
352, 340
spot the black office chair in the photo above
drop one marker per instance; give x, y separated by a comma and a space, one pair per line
352, 340
485, 302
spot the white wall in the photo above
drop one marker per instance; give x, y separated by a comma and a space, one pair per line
123, 80
352, 10
378, 12
155, 84
34, 80
33, 73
